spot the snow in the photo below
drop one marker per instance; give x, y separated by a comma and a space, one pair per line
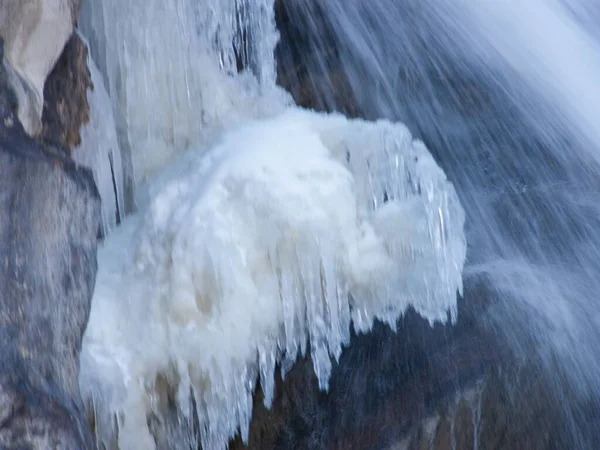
266, 245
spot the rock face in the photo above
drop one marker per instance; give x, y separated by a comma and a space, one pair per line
49, 219
35, 32
421, 388
298, 64
66, 107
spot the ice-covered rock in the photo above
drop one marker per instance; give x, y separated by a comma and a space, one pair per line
264, 245
274, 234
100, 151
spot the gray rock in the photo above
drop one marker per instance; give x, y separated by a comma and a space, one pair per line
49, 219
35, 32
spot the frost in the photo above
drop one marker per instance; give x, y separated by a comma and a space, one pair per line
100, 151
268, 244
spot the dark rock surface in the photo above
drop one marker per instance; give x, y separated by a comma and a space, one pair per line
66, 107
49, 219
300, 68
441, 388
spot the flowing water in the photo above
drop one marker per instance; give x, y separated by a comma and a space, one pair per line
505, 94
257, 230
509, 107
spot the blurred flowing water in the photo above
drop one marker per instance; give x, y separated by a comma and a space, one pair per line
506, 95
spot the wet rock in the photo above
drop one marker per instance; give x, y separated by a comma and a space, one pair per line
66, 107
49, 218
385, 386
300, 68
35, 32
420, 388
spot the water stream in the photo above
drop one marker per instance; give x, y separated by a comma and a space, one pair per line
505, 95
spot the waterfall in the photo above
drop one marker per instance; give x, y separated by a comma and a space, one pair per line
259, 231
505, 95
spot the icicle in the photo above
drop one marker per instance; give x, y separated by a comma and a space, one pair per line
263, 246
170, 89
258, 244
100, 151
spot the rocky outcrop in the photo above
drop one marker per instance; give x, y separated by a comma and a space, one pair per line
49, 219
66, 107
34, 32
419, 388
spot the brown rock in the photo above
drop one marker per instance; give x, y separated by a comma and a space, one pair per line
34, 32
66, 107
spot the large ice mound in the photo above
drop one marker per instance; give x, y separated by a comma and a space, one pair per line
264, 245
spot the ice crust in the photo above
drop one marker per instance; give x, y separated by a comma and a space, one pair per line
266, 246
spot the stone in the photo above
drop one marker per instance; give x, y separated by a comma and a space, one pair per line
299, 70
35, 32
49, 219
66, 107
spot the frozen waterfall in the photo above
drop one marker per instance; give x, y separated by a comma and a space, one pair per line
172, 69
262, 231
100, 151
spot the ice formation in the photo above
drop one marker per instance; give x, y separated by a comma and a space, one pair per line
172, 69
99, 150
271, 236
270, 243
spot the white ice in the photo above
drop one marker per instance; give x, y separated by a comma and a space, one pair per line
274, 233
271, 242
171, 73
100, 151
